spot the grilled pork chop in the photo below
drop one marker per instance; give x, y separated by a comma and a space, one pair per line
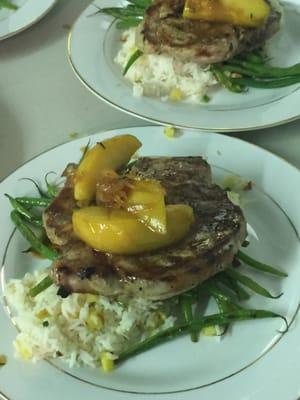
165, 31
215, 237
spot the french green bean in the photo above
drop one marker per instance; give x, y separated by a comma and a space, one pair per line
34, 241
250, 283
33, 201
215, 319
41, 286
33, 219
259, 265
137, 54
186, 304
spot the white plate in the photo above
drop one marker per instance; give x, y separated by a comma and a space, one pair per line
28, 13
94, 42
253, 362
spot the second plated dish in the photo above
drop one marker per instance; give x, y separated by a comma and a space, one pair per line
94, 43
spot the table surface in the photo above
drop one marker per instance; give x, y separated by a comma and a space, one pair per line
42, 103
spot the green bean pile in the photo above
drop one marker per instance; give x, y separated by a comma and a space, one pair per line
27, 217
227, 288
229, 310
252, 70
128, 16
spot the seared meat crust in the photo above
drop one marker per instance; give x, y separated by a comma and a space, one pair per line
165, 31
217, 233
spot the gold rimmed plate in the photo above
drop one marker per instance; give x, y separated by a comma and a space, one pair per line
253, 351
94, 42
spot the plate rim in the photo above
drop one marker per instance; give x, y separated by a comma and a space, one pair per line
156, 120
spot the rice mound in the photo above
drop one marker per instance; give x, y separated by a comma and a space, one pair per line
81, 327
160, 75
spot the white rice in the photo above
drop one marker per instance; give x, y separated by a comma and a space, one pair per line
68, 333
159, 75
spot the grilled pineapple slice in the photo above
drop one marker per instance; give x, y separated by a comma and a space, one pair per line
109, 154
248, 13
118, 231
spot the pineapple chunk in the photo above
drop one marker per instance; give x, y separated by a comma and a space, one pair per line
118, 231
250, 13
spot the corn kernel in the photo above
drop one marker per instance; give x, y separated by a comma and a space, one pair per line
3, 359
209, 331
107, 362
169, 131
94, 321
176, 94
42, 314
24, 352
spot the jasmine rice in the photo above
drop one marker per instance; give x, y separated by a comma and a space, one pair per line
163, 76
81, 329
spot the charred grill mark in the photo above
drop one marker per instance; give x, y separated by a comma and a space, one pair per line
63, 292
86, 273
102, 145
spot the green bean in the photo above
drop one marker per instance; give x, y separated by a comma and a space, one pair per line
265, 75
141, 3
259, 265
215, 319
225, 306
255, 58
33, 201
186, 304
132, 59
121, 12
250, 283
267, 84
135, 9
212, 289
41, 192
232, 284
33, 219
8, 4
52, 189
225, 80
266, 71
128, 23
205, 98
237, 69
224, 303
41, 286
34, 241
